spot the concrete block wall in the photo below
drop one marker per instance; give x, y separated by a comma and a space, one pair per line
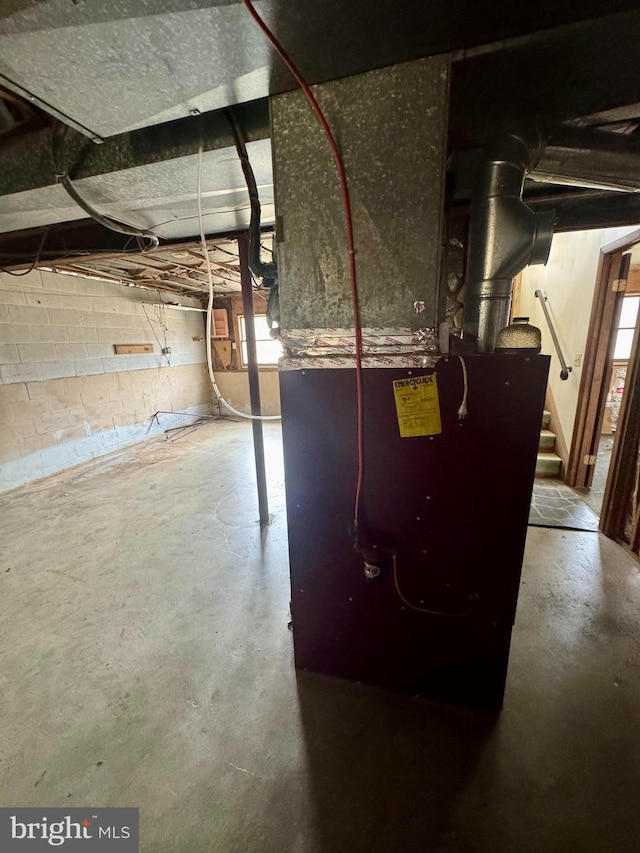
65, 396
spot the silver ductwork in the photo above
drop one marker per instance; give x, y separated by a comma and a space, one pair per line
505, 236
582, 157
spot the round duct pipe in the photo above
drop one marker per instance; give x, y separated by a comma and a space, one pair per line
505, 237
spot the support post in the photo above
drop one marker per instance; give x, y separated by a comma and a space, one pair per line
254, 379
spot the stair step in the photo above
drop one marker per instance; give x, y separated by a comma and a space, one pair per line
546, 419
547, 440
548, 465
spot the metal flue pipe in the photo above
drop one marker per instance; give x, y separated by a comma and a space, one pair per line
505, 236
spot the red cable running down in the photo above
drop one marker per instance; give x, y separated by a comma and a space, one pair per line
346, 204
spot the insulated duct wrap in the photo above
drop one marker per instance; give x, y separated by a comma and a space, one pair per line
505, 236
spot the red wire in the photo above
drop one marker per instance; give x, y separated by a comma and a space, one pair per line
348, 219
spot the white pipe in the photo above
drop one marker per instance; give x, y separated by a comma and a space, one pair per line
205, 250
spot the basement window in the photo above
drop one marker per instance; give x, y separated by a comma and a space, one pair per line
268, 349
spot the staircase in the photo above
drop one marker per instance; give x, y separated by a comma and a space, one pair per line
549, 463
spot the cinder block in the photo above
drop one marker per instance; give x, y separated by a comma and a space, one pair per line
50, 388
110, 439
126, 419
32, 279
23, 426
101, 350
74, 351
142, 362
15, 333
89, 367
92, 395
13, 393
98, 424
49, 300
12, 297
58, 281
104, 320
57, 369
75, 302
29, 315
121, 394
33, 442
88, 318
37, 352
64, 317
72, 433
108, 304
20, 373
92, 287
115, 336
142, 336
48, 424
9, 354
29, 409
82, 334
4, 314
67, 403
89, 448
114, 364
49, 334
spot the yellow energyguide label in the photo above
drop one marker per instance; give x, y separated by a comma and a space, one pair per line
417, 405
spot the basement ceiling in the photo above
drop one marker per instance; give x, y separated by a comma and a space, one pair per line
160, 196
149, 81
180, 268
107, 68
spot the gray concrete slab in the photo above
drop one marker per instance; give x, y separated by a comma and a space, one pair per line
145, 661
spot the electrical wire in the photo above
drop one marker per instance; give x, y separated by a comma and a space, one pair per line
462, 411
35, 260
212, 377
346, 204
451, 614
256, 264
57, 139
107, 221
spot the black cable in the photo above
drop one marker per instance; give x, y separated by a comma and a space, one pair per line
113, 224
35, 260
256, 264
107, 221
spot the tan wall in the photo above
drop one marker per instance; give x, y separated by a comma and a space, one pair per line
38, 415
234, 387
65, 394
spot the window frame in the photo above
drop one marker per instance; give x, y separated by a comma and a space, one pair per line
242, 344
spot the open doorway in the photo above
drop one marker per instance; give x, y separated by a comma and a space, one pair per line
608, 364
589, 296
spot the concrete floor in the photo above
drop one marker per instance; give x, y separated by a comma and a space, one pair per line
145, 661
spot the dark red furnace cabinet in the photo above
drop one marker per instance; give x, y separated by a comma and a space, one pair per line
453, 508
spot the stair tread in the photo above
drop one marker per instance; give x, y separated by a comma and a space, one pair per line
548, 464
546, 433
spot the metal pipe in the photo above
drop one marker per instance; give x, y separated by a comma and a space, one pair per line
254, 378
584, 157
566, 369
505, 236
